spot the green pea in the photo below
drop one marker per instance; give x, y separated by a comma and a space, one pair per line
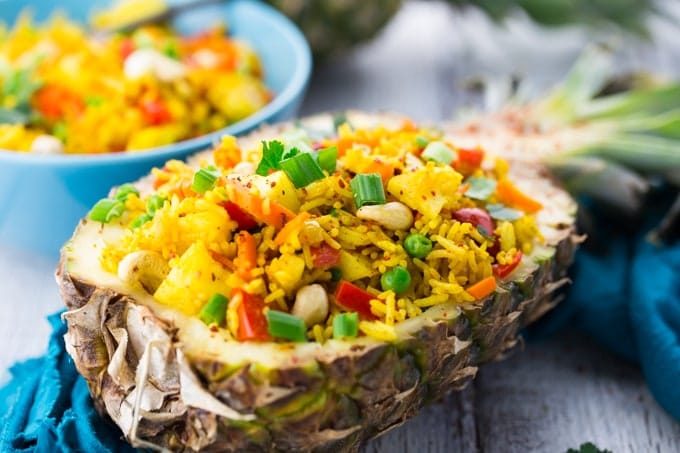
396, 279
417, 245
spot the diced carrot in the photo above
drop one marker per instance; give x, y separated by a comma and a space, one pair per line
246, 255
482, 288
55, 102
384, 169
509, 194
408, 125
343, 145
263, 209
292, 227
472, 157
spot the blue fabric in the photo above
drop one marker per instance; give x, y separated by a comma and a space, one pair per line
626, 295
46, 407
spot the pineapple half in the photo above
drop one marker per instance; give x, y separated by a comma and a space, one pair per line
169, 383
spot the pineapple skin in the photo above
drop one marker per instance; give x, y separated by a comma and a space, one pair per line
336, 403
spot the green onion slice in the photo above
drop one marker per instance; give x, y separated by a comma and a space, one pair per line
287, 326
125, 190
154, 203
345, 325
438, 152
328, 158
205, 179
367, 189
215, 310
106, 210
421, 141
140, 220
302, 170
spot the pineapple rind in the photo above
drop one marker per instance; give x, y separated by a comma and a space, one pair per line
334, 401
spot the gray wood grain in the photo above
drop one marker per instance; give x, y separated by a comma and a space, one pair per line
554, 395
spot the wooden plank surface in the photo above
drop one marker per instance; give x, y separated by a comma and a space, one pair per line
554, 395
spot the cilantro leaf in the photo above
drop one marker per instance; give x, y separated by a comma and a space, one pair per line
272, 154
480, 188
20, 85
290, 152
13, 116
500, 212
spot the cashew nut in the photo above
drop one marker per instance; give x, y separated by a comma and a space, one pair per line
311, 304
149, 61
144, 268
392, 215
47, 144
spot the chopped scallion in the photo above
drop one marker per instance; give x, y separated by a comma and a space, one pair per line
140, 220
125, 190
422, 141
205, 179
438, 152
287, 326
301, 170
215, 311
154, 203
367, 189
106, 210
345, 325
328, 158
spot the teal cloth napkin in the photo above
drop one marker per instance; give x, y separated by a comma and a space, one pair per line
626, 295
46, 407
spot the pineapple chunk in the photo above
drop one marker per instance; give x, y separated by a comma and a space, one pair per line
428, 189
354, 267
276, 187
193, 280
286, 271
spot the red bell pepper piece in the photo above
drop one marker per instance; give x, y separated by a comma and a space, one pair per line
252, 322
127, 46
245, 221
353, 298
325, 256
155, 112
503, 270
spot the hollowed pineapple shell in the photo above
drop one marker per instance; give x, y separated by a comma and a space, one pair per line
169, 386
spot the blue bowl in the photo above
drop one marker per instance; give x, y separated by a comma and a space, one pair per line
43, 197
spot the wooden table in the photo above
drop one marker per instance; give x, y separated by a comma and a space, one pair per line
553, 396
